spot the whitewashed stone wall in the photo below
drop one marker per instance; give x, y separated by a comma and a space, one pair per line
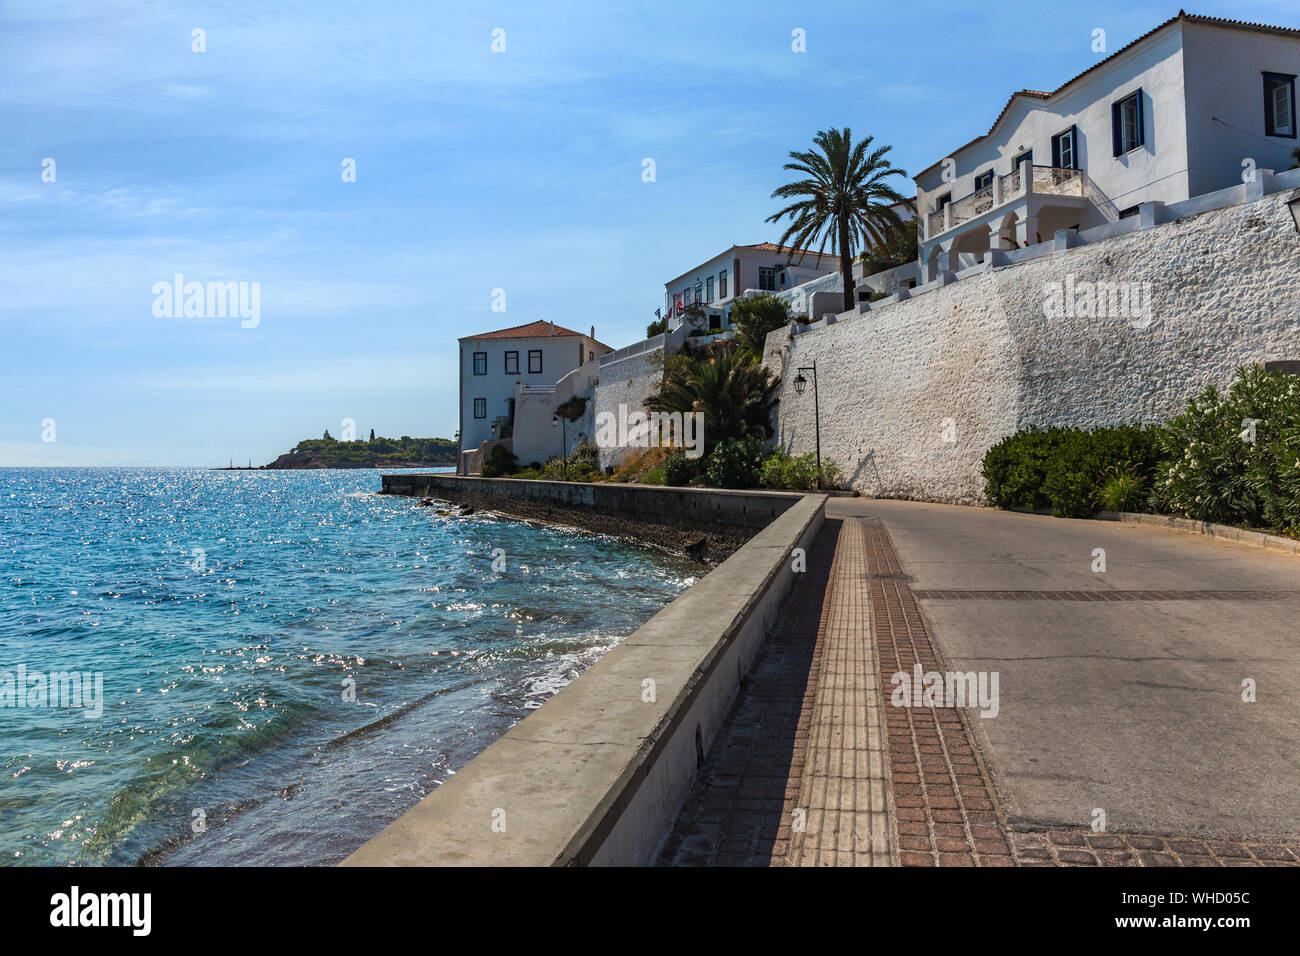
982, 356
630, 382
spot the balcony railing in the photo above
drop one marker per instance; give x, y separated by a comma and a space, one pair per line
1045, 180
934, 223
1056, 181
973, 206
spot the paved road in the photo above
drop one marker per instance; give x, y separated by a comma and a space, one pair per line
1132, 705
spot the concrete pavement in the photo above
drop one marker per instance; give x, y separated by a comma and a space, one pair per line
1120, 650
1133, 706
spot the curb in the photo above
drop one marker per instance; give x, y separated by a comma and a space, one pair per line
1258, 539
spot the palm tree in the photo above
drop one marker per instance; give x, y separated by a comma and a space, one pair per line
845, 200
734, 393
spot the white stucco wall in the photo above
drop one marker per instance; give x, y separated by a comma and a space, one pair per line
982, 352
1225, 102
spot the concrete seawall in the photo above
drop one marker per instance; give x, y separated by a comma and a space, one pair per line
742, 509
704, 524
598, 774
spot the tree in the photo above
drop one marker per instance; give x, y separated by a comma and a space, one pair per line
754, 319
734, 394
657, 327
845, 200
899, 248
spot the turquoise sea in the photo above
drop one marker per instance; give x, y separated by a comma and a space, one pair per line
288, 659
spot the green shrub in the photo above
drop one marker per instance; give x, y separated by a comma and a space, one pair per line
679, 470
500, 463
1063, 468
772, 474
1015, 468
735, 463
798, 473
655, 476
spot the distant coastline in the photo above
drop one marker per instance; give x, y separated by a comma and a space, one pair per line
327, 452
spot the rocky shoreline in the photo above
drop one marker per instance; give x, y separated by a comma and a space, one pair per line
710, 545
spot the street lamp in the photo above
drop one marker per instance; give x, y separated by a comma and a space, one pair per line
800, 383
564, 441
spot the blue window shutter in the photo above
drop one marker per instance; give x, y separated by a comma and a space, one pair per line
1056, 151
1074, 148
1114, 126
1141, 132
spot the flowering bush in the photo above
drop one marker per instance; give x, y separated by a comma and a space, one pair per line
1235, 456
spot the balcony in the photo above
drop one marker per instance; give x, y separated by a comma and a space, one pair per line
1040, 180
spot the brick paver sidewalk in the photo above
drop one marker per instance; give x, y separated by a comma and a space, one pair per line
803, 774
797, 775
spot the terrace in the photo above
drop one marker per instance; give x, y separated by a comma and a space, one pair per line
1014, 211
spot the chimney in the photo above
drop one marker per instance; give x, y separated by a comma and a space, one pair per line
593, 334
552, 328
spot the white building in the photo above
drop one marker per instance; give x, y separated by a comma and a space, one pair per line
511, 382
1193, 106
718, 282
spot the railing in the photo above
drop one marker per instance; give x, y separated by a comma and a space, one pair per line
1046, 180
636, 348
973, 206
1011, 183
1055, 181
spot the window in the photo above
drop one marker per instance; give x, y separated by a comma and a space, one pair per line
722, 284
480, 408
1026, 157
512, 363
591, 355
1064, 153
942, 201
1279, 105
984, 180
480, 363
715, 321
1130, 211
767, 278
708, 289
1126, 123
534, 361
699, 289
677, 302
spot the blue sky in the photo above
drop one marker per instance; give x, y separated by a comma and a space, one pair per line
475, 170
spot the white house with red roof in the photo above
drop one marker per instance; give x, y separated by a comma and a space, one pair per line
1193, 106
511, 382
715, 283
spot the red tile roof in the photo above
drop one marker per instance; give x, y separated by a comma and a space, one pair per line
773, 247
1182, 17
541, 329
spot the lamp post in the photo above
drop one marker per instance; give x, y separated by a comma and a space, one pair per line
564, 441
800, 383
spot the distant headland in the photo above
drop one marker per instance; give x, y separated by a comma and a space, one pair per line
328, 452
